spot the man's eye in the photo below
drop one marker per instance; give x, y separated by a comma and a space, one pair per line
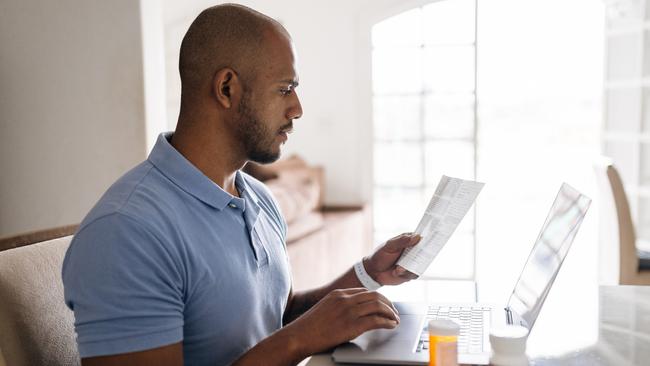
286, 91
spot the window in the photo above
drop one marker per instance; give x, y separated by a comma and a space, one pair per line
424, 108
505, 100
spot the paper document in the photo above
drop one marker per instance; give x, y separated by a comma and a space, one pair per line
446, 210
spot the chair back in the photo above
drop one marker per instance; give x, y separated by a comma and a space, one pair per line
36, 327
629, 259
617, 226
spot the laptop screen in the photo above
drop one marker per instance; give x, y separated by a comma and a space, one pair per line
550, 249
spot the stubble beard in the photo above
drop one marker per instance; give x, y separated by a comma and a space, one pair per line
256, 138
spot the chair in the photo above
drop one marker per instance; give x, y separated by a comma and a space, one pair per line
36, 327
625, 263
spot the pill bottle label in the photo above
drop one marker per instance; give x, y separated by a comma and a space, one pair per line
443, 351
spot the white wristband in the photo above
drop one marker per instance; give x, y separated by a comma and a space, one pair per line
365, 278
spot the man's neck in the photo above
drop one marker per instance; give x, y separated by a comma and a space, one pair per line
210, 151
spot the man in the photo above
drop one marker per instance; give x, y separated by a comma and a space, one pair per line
183, 260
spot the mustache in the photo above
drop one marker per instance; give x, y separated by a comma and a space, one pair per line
288, 128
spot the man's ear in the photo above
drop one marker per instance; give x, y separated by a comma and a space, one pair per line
226, 87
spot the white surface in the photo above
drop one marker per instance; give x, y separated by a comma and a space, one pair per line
432, 291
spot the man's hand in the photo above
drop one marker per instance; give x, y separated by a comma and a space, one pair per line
381, 265
340, 316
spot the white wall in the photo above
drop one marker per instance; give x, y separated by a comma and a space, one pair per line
72, 106
333, 44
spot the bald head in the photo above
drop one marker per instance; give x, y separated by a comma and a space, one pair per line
227, 35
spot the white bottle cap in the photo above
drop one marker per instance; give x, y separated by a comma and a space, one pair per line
443, 327
509, 345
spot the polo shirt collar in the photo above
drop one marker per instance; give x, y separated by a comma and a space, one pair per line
189, 178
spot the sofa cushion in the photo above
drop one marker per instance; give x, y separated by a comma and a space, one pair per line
297, 186
264, 172
304, 225
36, 327
259, 171
296, 195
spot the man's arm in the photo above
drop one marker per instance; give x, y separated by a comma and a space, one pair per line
380, 266
319, 319
171, 355
340, 316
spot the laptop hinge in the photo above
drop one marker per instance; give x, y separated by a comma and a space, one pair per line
508, 315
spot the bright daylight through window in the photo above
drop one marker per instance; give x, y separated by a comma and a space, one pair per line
424, 109
507, 92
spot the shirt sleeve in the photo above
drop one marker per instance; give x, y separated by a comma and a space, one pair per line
125, 287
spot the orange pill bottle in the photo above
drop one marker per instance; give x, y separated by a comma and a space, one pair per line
443, 342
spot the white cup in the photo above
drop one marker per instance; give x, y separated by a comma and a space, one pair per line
509, 346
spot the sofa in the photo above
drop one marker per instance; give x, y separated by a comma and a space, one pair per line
36, 327
322, 241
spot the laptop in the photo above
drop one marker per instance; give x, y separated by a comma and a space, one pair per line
408, 343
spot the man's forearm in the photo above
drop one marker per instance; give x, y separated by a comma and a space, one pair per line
341, 315
304, 300
281, 348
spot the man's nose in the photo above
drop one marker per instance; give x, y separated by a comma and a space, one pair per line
295, 111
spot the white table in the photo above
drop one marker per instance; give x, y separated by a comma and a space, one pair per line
619, 333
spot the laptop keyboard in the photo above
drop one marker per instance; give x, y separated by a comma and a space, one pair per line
473, 321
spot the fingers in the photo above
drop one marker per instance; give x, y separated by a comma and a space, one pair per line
375, 322
377, 308
366, 302
372, 296
402, 241
402, 272
376, 297
347, 313
401, 236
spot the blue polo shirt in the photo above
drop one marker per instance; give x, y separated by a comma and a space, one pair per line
166, 256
